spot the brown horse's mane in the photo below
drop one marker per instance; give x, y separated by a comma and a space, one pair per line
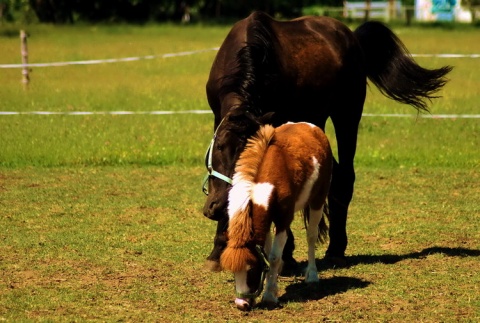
237, 256
256, 70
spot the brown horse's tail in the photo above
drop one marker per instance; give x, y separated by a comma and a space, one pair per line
322, 226
392, 69
237, 255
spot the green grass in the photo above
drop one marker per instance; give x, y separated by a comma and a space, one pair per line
128, 243
104, 140
100, 215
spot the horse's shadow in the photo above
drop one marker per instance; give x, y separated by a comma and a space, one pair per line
392, 259
302, 292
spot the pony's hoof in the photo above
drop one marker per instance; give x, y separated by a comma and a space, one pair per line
269, 301
244, 304
212, 265
289, 268
271, 305
311, 277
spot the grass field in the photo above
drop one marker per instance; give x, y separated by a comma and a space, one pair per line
100, 215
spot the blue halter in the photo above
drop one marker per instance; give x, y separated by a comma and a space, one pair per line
209, 164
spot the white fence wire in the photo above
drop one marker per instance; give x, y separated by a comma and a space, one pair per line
193, 52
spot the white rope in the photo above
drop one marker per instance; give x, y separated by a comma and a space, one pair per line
166, 112
423, 116
83, 113
448, 55
109, 60
169, 55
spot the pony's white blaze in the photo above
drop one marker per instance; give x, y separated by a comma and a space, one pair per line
241, 287
239, 195
261, 194
307, 188
241, 282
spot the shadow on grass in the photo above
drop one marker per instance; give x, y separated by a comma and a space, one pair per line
302, 292
387, 259
392, 259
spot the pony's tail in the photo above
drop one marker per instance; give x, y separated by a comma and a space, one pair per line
322, 226
392, 69
237, 255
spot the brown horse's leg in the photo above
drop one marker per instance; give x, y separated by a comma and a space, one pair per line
343, 178
341, 192
219, 244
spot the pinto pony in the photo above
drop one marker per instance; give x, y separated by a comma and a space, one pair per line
307, 69
281, 171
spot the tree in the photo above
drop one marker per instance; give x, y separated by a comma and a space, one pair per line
472, 5
54, 11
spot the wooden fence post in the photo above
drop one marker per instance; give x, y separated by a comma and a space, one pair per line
24, 52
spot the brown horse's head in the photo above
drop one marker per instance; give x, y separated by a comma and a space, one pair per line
228, 142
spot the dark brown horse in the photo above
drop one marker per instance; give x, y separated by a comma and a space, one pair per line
281, 171
306, 69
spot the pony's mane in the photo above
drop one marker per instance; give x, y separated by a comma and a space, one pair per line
256, 64
251, 158
237, 255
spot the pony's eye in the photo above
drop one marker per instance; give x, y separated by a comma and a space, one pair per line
219, 147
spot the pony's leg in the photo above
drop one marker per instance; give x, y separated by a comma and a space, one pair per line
268, 243
275, 259
219, 244
311, 274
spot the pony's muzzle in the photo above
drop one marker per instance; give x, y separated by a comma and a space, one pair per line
244, 304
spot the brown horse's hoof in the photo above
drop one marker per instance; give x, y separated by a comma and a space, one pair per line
212, 265
336, 262
290, 268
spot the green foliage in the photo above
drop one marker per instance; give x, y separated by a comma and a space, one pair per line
63, 11
470, 3
66, 11
13, 10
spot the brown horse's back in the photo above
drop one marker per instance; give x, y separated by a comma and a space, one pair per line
319, 53
300, 73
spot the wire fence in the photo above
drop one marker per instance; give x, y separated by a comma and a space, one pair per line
109, 60
193, 52
185, 53
167, 112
